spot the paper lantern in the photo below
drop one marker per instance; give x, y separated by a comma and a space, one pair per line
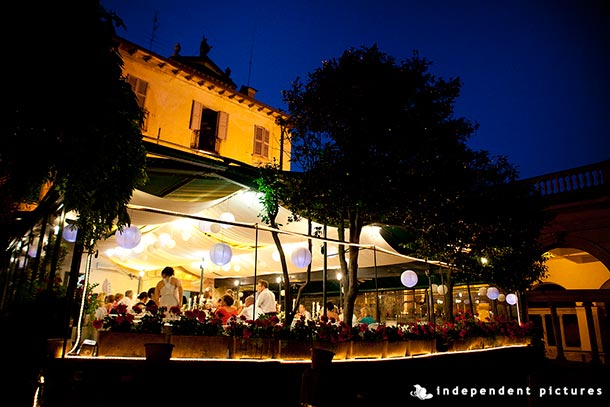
128, 238
511, 299
442, 289
408, 278
301, 257
493, 293
434, 288
69, 233
483, 291
501, 297
220, 254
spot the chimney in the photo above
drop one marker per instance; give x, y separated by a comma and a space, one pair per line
248, 91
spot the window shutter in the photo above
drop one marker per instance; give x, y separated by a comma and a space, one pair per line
196, 109
223, 124
265, 143
258, 140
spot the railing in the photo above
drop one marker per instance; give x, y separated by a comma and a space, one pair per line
582, 182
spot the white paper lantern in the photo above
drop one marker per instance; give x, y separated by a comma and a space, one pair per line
511, 299
129, 237
408, 278
215, 228
69, 233
501, 297
221, 254
483, 291
301, 257
204, 226
442, 289
493, 293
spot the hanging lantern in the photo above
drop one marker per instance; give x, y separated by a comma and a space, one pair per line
408, 278
220, 254
483, 291
128, 238
69, 233
501, 297
493, 293
301, 257
442, 289
511, 299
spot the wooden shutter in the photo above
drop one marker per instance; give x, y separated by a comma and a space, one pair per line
196, 109
223, 124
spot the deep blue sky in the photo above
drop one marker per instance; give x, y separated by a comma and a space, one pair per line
536, 74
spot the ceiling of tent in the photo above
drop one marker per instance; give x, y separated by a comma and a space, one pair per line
180, 212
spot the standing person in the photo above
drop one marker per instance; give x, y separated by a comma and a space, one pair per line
265, 299
168, 292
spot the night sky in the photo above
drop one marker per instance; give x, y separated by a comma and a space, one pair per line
535, 73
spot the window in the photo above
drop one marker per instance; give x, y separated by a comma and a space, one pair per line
209, 127
139, 87
261, 141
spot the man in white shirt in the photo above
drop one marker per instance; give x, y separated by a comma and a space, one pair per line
265, 299
248, 309
127, 299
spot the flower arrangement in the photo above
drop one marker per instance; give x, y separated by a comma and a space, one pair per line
420, 330
196, 322
326, 330
149, 321
362, 332
265, 327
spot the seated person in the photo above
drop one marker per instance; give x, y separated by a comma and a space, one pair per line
226, 309
331, 312
246, 312
365, 316
142, 301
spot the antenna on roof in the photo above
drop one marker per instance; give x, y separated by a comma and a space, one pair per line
251, 54
154, 28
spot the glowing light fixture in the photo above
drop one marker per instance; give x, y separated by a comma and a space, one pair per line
301, 257
408, 278
69, 233
493, 293
221, 254
129, 237
511, 299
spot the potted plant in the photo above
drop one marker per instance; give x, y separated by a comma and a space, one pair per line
368, 341
421, 337
397, 341
198, 334
332, 335
296, 341
125, 333
254, 339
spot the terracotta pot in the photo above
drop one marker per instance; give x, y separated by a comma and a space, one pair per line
158, 352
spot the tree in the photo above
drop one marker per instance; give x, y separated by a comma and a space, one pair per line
72, 120
371, 134
379, 144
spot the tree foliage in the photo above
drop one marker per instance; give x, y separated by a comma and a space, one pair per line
72, 120
379, 144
